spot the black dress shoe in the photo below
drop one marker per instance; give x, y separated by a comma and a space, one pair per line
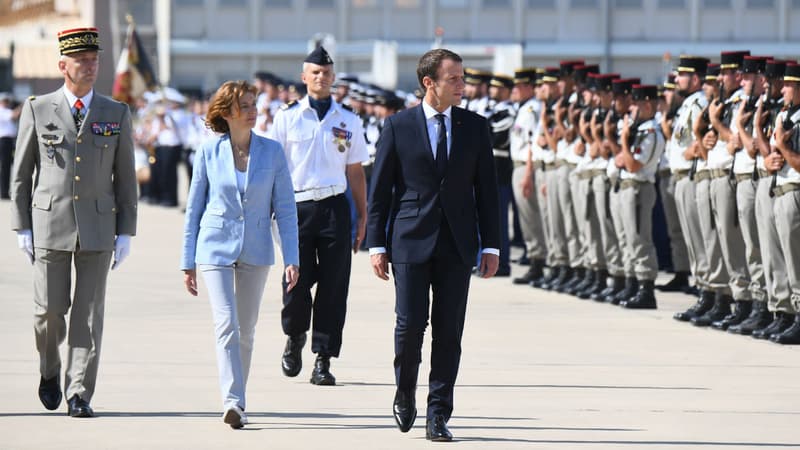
292, 361
564, 274
679, 283
790, 336
703, 305
739, 314
322, 376
50, 392
644, 299
436, 430
759, 318
404, 409
78, 407
779, 324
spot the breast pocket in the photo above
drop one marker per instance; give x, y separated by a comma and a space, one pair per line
51, 148
107, 146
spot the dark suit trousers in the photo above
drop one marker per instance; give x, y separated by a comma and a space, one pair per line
448, 277
324, 236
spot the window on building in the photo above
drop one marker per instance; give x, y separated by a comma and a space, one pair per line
628, 4
541, 4
583, 4
278, 3
671, 4
189, 2
796, 4
319, 3
406, 3
496, 3
364, 3
142, 12
224, 3
761, 4
717, 4
453, 3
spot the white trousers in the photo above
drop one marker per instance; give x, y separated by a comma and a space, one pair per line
235, 294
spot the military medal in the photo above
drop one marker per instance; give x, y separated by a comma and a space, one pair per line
341, 138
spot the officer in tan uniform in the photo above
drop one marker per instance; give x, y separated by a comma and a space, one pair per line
80, 207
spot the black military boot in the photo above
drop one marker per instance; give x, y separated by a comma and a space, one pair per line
563, 274
322, 376
577, 276
631, 288
721, 308
779, 324
597, 286
790, 336
535, 271
546, 280
291, 362
644, 299
704, 303
759, 318
678, 283
585, 282
739, 314
616, 286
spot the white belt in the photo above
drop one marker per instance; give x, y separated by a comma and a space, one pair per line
318, 194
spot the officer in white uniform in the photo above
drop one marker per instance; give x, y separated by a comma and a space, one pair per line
325, 149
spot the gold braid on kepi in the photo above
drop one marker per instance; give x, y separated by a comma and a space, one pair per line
78, 40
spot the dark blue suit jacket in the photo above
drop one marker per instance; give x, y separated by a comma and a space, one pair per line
407, 193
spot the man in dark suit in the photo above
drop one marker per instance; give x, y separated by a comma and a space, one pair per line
434, 185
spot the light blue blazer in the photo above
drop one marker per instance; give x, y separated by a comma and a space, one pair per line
222, 226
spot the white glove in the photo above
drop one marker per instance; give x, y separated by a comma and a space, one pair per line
122, 248
25, 242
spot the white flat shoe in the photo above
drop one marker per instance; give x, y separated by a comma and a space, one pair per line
234, 416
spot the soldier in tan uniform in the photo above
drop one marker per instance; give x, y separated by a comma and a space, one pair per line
80, 207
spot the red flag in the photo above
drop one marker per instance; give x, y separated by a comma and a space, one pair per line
134, 74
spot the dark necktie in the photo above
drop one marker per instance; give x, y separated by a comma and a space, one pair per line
78, 116
441, 146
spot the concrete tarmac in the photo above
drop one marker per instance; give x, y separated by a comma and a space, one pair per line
539, 370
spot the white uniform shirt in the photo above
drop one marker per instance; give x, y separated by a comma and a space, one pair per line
8, 127
718, 156
522, 133
787, 174
317, 152
647, 149
682, 134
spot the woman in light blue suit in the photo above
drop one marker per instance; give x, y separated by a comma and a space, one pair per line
240, 181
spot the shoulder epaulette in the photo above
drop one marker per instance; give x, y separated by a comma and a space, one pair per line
291, 104
348, 107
